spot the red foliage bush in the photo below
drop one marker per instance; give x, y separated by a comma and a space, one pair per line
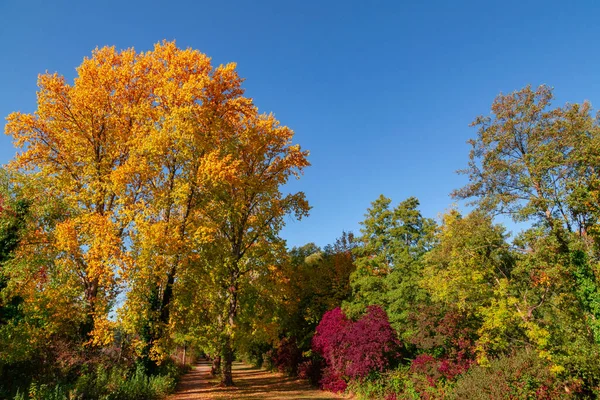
428, 366
447, 335
311, 370
333, 381
287, 356
354, 349
331, 332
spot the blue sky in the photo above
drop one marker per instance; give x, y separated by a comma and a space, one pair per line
380, 92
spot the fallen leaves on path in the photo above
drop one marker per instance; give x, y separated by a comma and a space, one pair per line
250, 384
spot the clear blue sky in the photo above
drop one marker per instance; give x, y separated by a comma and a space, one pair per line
380, 92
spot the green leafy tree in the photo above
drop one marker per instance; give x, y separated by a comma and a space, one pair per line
534, 162
389, 260
469, 271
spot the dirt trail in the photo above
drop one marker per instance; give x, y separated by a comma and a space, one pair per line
250, 384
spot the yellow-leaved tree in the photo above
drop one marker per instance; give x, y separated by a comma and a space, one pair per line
81, 143
168, 175
245, 211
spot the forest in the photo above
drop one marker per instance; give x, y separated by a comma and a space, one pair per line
140, 229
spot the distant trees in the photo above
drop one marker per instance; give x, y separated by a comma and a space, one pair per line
462, 298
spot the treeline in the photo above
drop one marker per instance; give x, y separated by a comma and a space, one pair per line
456, 308
140, 214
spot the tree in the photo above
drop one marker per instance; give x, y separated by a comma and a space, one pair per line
80, 141
313, 281
160, 160
14, 213
530, 161
468, 274
540, 164
193, 104
245, 211
388, 260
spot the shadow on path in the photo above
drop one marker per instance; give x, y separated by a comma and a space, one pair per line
250, 384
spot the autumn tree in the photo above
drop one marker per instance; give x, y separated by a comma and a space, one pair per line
159, 160
538, 163
314, 281
246, 210
192, 109
468, 273
531, 161
80, 141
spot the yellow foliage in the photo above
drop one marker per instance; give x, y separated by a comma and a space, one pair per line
103, 333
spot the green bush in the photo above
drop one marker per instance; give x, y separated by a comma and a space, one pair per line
116, 383
401, 383
44, 392
523, 375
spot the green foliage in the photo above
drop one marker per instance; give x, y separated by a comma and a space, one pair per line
13, 218
104, 383
587, 291
381, 385
520, 376
389, 260
400, 383
469, 273
45, 392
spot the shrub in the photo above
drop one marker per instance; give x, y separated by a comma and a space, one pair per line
287, 356
521, 376
448, 340
354, 349
333, 381
400, 383
268, 358
311, 370
116, 383
44, 392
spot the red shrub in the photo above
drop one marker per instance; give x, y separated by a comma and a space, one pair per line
330, 332
426, 365
372, 343
287, 357
354, 349
448, 335
311, 370
333, 381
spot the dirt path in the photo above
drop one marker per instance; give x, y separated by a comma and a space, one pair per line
251, 384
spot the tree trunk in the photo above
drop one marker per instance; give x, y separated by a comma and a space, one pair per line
91, 295
215, 369
228, 337
227, 377
167, 297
